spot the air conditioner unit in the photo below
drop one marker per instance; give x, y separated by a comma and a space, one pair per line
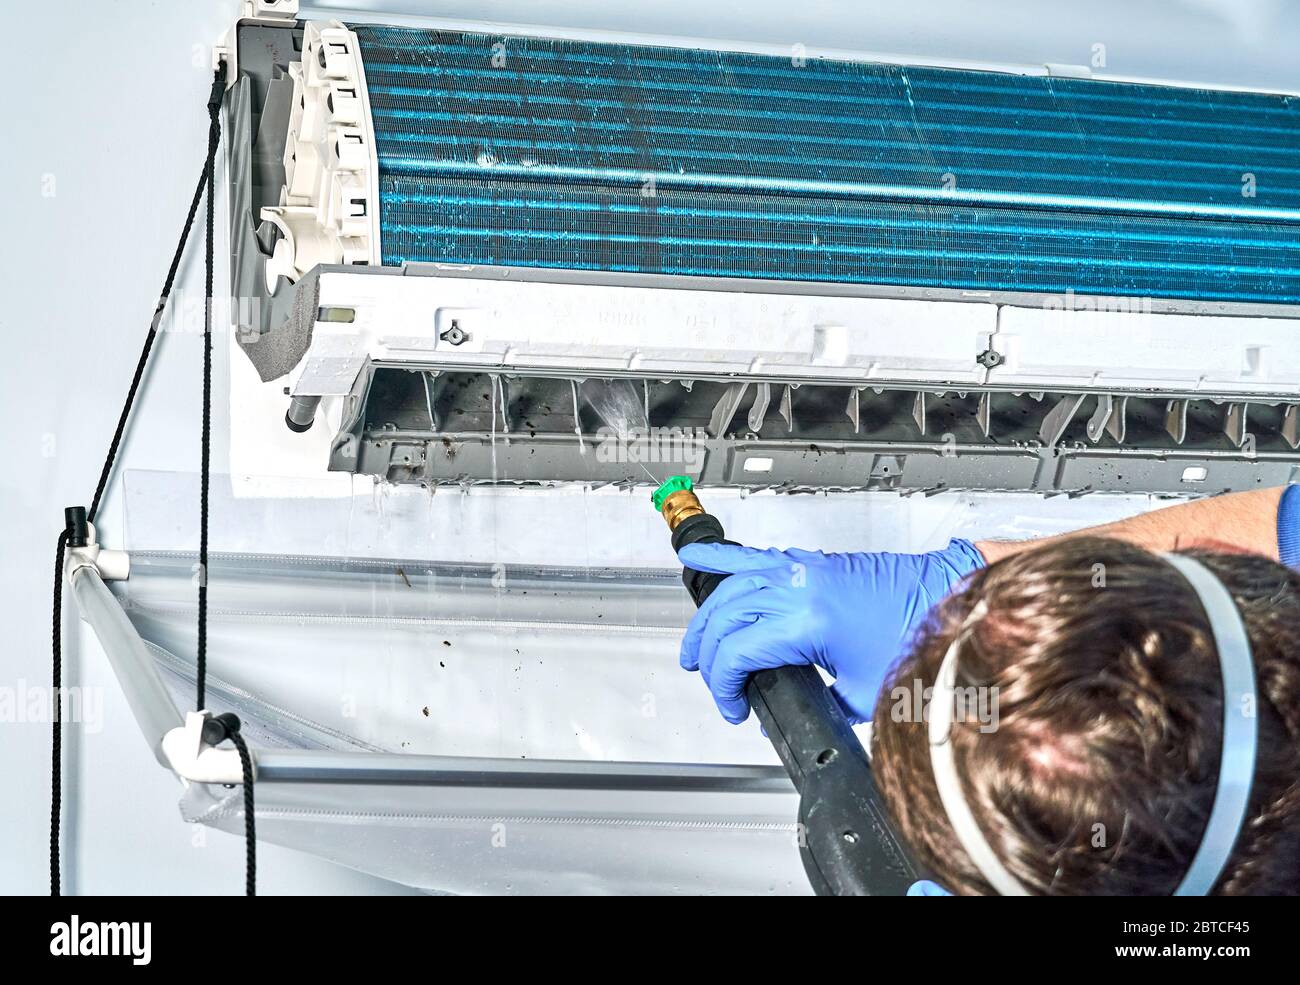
476, 258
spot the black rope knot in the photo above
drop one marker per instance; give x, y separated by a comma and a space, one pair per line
218, 89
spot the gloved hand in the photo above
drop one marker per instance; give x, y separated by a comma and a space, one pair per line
851, 614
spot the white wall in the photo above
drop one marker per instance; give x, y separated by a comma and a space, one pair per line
105, 131
105, 145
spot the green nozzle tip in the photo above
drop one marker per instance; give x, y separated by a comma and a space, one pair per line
670, 486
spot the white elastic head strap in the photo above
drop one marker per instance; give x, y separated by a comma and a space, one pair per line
943, 706
1240, 729
1236, 761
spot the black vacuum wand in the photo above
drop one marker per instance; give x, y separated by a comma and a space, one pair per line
848, 844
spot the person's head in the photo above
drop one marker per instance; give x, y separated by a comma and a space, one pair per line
1099, 768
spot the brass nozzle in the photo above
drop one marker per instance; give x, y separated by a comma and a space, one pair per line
679, 505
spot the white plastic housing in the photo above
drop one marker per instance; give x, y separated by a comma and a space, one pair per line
329, 204
576, 328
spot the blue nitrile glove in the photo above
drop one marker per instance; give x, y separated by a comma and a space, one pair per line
926, 888
850, 614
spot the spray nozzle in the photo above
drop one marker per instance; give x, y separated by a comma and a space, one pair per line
674, 483
676, 500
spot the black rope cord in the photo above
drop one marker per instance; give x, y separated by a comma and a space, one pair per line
230, 722
56, 746
205, 441
231, 726
217, 729
250, 824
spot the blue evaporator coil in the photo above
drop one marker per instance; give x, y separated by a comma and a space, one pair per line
550, 153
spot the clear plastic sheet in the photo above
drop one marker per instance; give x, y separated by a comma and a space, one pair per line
570, 525
502, 841
440, 660
455, 660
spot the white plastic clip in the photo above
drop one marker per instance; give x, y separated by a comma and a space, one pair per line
193, 760
111, 565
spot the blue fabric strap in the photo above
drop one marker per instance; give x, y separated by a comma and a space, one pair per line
1288, 527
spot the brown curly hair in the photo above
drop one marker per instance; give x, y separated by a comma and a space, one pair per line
1101, 772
